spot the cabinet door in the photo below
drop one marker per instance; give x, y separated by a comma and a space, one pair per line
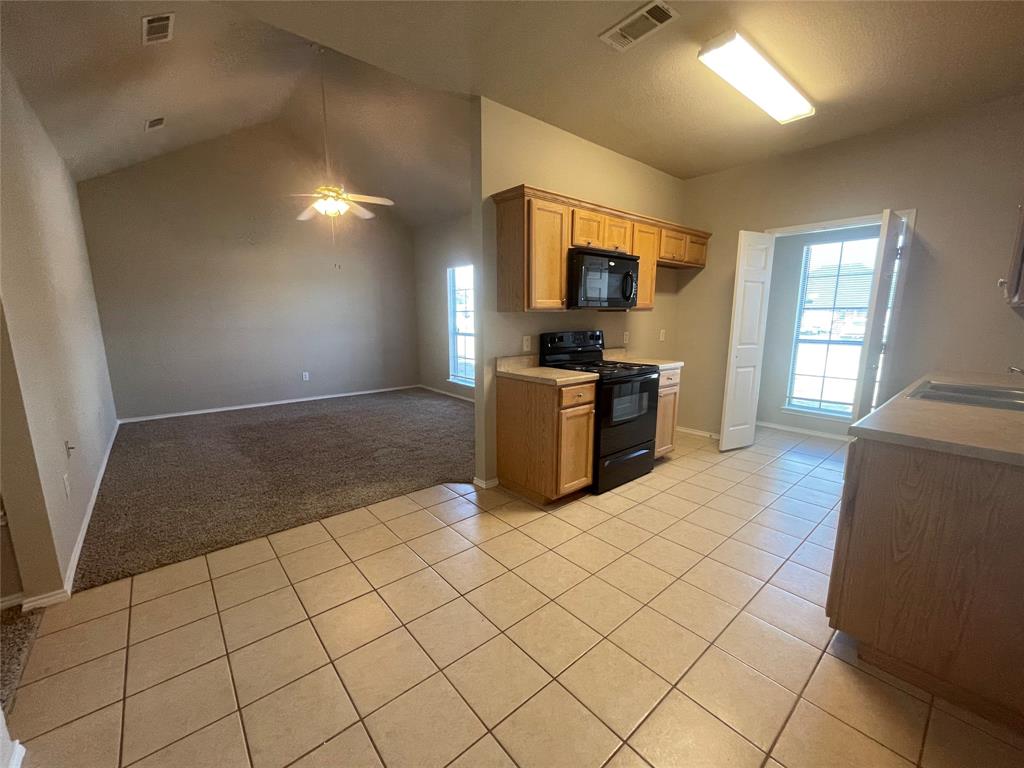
547, 256
665, 433
696, 251
673, 245
575, 448
646, 242
618, 234
587, 228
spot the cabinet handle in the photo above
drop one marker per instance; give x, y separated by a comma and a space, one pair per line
579, 395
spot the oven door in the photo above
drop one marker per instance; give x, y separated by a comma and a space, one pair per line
627, 413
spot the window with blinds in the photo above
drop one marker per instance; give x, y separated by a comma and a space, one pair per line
461, 319
835, 290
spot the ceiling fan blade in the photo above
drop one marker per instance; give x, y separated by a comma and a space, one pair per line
307, 214
359, 211
369, 199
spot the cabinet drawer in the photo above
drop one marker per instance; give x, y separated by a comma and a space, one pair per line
577, 395
668, 378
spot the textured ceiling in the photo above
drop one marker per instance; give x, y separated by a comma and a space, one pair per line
388, 137
82, 67
93, 85
865, 65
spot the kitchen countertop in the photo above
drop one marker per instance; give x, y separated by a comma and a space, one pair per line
525, 367
992, 434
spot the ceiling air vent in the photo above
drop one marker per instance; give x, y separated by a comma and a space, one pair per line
154, 123
157, 29
637, 25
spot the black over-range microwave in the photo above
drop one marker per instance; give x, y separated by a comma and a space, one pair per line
600, 279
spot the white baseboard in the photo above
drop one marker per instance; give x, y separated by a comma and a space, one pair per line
17, 754
485, 483
69, 577
809, 432
11, 600
449, 394
45, 599
132, 419
698, 432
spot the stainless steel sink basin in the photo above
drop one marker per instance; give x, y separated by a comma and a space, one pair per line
1006, 398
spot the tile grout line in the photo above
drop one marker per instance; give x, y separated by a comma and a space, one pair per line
124, 681
548, 600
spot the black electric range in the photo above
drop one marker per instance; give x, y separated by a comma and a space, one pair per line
626, 409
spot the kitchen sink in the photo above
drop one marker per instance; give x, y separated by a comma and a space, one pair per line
1006, 398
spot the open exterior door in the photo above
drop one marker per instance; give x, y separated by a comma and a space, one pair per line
882, 306
746, 339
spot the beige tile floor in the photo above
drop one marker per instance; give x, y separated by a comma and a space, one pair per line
678, 621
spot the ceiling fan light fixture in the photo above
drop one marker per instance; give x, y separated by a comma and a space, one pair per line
741, 65
330, 206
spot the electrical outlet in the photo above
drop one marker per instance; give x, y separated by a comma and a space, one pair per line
527, 343
661, 335
625, 337
305, 375
67, 486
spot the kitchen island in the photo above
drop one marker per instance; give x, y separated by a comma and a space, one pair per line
928, 572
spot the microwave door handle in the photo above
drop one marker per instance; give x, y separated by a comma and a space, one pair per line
630, 281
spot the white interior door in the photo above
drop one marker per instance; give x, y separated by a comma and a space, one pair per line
746, 339
883, 298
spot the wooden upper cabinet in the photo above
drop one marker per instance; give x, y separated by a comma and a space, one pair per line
646, 247
673, 245
587, 228
696, 251
618, 234
575, 448
535, 229
548, 248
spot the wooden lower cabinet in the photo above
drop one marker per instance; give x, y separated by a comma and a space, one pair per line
927, 572
668, 410
545, 437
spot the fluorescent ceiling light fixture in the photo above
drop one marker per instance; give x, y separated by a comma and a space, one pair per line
737, 62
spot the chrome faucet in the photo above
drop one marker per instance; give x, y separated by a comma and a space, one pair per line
1014, 369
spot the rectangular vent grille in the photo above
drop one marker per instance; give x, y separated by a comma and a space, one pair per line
637, 25
157, 29
154, 123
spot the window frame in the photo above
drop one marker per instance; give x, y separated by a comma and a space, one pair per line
454, 334
807, 410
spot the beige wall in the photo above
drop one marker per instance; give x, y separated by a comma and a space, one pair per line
780, 325
438, 246
211, 294
57, 350
518, 149
964, 175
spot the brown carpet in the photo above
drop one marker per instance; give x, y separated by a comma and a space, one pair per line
180, 487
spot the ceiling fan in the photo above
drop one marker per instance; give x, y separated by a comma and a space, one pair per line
330, 200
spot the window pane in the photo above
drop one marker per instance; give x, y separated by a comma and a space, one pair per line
808, 387
464, 322
838, 390
816, 323
843, 361
810, 359
849, 324
823, 258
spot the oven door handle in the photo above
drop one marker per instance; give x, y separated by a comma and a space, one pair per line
629, 456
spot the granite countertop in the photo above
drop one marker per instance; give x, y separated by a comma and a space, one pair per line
525, 367
992, 434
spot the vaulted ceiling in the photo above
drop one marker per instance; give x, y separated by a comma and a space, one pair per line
399, 85
865, 65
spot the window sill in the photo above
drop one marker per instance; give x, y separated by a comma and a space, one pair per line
462, 383
816, 414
